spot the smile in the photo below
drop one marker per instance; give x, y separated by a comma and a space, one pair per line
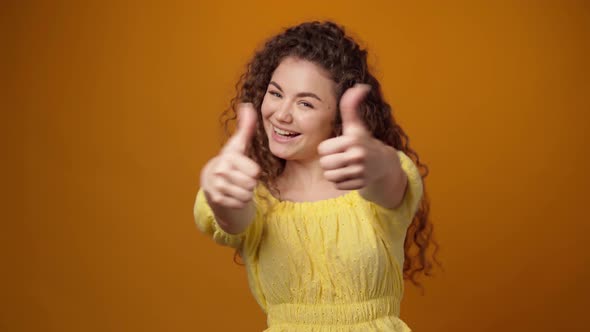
284, 136
284, 133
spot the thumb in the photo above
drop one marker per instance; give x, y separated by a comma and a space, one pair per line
349, 108
247, 119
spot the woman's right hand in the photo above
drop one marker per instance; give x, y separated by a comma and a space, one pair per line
229, 179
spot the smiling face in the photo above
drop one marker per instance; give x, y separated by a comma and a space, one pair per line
298, 109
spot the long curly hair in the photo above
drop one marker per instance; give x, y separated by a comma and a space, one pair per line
327, 45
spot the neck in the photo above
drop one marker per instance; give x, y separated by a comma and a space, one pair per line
303, 175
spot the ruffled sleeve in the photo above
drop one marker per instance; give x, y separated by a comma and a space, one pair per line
206, 223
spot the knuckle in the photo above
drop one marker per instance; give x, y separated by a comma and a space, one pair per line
329, 175
257, 170
221, 168
355, 140
361, 154
234, 176
217, 198
361, 183
248, 196
249, 184
321, 148
324, 161
218, 183
358, 170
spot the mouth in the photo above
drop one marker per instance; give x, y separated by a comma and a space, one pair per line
284, 133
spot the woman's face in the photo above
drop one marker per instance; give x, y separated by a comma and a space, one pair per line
298, 109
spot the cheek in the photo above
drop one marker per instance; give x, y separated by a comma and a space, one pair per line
265, 108
323, 125
265, 113
326, 122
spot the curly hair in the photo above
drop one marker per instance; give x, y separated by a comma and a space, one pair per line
327, 45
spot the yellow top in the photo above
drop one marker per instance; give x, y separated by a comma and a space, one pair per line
329, 265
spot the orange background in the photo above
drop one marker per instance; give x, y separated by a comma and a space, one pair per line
112, 111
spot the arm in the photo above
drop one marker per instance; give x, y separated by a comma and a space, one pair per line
357, 160
388, 190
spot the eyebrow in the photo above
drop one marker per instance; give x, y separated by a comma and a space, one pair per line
300, 94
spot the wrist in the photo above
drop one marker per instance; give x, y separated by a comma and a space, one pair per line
390, 162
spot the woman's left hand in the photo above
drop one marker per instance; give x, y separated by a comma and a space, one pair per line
356, 159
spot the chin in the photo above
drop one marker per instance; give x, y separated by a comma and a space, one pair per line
280, 153
291, 155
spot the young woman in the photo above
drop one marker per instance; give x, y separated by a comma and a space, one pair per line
316, 189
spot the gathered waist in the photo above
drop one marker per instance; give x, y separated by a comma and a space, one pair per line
333, 313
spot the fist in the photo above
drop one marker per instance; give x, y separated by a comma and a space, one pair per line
229, 179
355, 159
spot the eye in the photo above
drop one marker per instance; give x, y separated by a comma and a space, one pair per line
274, 93
306, 104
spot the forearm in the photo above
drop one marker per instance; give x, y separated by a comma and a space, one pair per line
234, 220
387, 190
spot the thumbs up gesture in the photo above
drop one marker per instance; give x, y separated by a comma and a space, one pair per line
356, 159
229, 179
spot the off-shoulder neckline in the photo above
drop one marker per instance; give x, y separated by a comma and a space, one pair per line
324, 201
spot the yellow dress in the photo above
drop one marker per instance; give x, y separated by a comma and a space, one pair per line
329, 265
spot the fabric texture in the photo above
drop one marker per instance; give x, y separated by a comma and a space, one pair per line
329, 265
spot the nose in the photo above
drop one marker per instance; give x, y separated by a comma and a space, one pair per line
283, 114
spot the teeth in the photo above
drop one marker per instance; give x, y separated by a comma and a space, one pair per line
283, 132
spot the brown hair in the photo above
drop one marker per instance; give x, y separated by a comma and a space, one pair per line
327, 45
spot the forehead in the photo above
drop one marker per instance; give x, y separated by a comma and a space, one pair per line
298, 75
